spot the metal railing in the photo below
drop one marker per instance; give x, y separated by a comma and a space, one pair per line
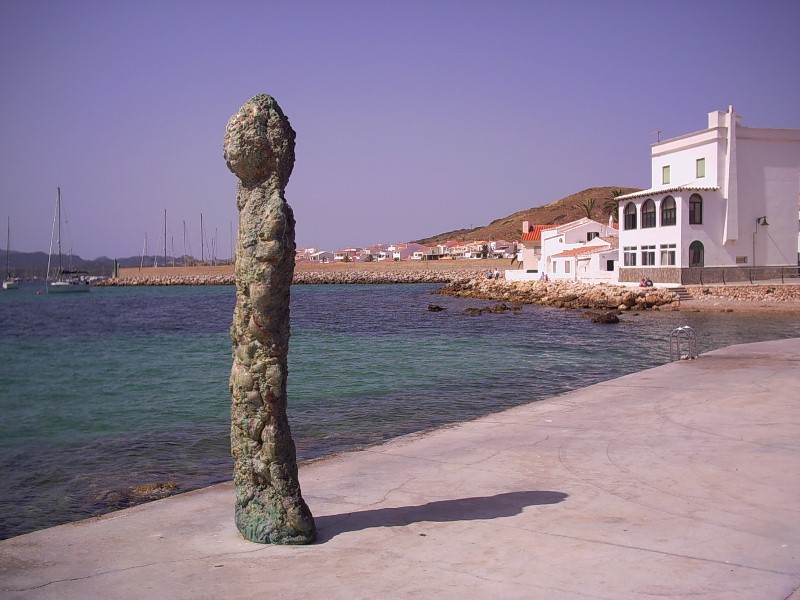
738, 275
683, 344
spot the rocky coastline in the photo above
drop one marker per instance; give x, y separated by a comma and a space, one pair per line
784, 293
565, 294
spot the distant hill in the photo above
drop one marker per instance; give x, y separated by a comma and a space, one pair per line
28, 265
561, 211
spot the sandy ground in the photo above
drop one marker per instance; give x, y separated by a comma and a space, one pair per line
715, 304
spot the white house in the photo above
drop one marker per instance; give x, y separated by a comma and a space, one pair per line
722, 201
574, 238
531, 248
593, 262
347, 254
322, 256
555, 250
405, 251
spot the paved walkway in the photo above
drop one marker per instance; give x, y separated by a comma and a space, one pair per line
680, 481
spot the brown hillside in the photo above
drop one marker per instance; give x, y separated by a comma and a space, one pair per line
561, 211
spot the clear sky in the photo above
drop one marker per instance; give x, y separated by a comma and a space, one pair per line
412, 117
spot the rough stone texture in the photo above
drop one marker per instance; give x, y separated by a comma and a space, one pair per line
754, 293
606, 317
564, 294
259, 150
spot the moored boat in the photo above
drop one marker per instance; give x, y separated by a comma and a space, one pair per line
9, 283
65, 279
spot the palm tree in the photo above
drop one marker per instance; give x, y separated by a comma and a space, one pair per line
611, 205
587, 207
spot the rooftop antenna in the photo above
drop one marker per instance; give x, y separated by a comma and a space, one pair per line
656, 133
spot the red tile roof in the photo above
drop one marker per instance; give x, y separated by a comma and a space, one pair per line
534, 234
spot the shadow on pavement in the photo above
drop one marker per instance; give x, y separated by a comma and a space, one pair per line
462, 509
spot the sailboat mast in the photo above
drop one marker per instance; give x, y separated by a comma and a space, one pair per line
165, 237
58, 209
202, 247
214, 248
8, 248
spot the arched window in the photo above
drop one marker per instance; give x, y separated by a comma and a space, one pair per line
696, 253
695, 210
648, 213
630, 216
668, 213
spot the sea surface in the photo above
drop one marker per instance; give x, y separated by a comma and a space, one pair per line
128, 386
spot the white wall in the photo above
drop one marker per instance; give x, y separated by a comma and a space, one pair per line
769, 185
683, 164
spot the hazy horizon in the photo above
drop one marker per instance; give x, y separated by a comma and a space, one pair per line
412, 118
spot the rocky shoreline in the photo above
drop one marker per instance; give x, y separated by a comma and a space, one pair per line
565, 294
784, 293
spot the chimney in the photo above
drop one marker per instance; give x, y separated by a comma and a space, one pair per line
525, 227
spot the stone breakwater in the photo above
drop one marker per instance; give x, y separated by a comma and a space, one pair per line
170, 280
314, 277
390, 276
564, 294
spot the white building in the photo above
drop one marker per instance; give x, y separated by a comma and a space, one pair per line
562, 244
722, 201
582, 249
592, 262
323, 256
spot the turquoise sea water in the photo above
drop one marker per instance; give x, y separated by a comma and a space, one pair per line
127, 387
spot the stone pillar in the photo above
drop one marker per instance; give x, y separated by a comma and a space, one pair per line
259, 150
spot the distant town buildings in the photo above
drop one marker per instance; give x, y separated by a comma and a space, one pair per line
724, 205
451, 250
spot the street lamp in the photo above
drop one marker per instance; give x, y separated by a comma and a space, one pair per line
759, 221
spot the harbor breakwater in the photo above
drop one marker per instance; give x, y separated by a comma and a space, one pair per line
389, 273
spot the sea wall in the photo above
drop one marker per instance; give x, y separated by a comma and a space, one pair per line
355, 275
564, 294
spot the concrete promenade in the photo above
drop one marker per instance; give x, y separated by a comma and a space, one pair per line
682, 481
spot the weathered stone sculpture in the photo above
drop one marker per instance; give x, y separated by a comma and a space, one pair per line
259, 150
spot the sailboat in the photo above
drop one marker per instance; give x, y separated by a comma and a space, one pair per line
69, 279
9, 283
